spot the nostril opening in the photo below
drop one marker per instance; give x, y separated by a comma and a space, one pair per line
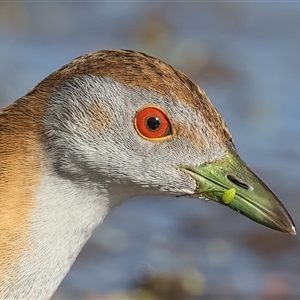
237, 182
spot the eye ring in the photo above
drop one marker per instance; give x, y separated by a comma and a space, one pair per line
152, 123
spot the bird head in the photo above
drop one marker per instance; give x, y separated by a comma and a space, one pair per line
131, 124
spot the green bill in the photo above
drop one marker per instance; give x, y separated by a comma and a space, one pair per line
230, 182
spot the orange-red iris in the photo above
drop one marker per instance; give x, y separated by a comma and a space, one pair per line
152, 123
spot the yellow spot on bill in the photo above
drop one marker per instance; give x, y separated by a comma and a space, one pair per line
229, 195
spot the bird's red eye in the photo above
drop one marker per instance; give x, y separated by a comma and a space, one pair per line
152, 123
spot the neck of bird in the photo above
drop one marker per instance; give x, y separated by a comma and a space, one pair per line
60, 225
45, 217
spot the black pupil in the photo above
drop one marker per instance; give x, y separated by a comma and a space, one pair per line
153, 123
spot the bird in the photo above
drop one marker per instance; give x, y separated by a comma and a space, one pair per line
108, 126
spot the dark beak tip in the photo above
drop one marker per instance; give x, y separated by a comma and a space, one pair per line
284, 222
288, 226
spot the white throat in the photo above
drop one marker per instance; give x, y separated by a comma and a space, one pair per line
61, 224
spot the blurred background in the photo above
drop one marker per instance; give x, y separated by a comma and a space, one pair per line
247, 58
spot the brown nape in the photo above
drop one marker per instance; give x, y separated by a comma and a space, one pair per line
20, 173
139, 70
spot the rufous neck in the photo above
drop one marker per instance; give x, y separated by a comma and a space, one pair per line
60, 224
